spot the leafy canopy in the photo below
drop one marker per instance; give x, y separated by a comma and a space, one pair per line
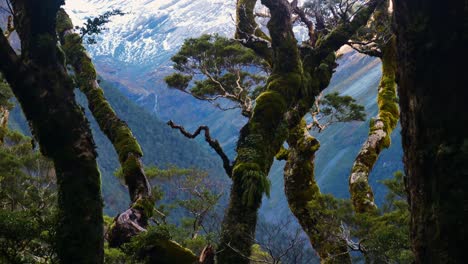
213, 68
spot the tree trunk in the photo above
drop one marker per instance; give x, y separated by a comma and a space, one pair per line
432, 78
259, 141
381, 128
42, 86
311, 208
293, 84
116, 130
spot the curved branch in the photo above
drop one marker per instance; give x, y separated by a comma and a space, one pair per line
379, 135
214, 144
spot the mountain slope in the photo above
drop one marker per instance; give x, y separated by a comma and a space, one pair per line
161, 145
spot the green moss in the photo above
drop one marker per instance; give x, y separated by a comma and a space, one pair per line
269, 106
144, 205
282, 154
253, 180
63, 21
288, 86
156, 246
88, 72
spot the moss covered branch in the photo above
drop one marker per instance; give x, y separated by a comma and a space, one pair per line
116, 130
313, 210
381, 128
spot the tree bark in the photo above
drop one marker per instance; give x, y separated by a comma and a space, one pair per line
43, 88
116, 130
432, 78
4, 116
293, 84
381, 128
311, 208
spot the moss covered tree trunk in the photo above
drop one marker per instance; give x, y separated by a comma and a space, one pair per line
309, 206
297, 77
381, 128
135, 219
43, 88
432, 79
260, 140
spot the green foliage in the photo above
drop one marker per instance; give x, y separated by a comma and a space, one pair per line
212, 67
95, 26
27, 203
5, 94
384, 234
156, 246
259, 255
193, 198
335, 108
187, 208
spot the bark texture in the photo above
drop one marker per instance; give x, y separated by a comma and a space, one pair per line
432, 78
43, 88
313, 211
4, 116
297, 77
135, 219
381, 128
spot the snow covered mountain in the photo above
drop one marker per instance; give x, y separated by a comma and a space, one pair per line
152, 30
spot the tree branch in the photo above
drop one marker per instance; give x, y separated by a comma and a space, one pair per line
249, 33
343, 32
214, 144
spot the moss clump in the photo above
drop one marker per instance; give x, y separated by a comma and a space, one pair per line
288, 86
64, 22
145, 206
269, 106
156, 246
282, 154
253, 180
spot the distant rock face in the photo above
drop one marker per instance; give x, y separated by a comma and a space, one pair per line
153, 30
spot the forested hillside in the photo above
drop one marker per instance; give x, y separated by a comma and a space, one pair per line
162, 146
